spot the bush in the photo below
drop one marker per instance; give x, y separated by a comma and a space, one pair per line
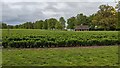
40, 39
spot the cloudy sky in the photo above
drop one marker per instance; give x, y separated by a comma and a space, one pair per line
19, 11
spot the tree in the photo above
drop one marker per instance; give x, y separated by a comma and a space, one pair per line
62, 21
51, 23
71, 23
16, 26
45, 24
94, 20
4, 26
27, 25
58, 25
106, 11
118, 13
10, 26
38, 24
91, 21
81, 19
106, 17
21, 26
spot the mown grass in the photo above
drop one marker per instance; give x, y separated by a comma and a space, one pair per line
71, 56
0, 56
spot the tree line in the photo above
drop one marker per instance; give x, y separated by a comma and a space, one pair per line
105, 18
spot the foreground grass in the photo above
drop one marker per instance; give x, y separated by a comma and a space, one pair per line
0, 56
72, 56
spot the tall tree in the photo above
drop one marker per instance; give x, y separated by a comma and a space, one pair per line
58, 25
90, 18
71, 23
118, 12
51, 23
106, 17
10, 26
4, 26
62, 21
45, 24
81, 19
28, 25
16, 26
38, 24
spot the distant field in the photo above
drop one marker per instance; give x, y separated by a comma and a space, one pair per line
69, 56
36, 38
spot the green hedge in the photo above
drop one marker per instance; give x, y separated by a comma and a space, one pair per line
58, 43
40, 39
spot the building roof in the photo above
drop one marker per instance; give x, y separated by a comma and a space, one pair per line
82, 27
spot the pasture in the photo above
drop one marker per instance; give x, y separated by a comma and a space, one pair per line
70, 56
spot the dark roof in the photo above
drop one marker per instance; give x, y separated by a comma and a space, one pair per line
82, 27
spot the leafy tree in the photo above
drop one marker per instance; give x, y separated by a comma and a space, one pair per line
91, 21
118, 12
82, 19
4, 26
45, 24
58, 26
21, 26
71, 23
28, 25
51, 23
38, 24
16, 26
62, 21
105, 17
10, 26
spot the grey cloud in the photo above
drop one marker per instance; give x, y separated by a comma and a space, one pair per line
19, 12
58, 0
25, 13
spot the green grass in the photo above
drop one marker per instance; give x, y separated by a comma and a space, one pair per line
0, 56
71, 56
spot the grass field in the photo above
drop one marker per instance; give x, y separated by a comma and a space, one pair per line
69, 56
0, 56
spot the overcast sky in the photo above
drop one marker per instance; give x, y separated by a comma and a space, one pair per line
20, 11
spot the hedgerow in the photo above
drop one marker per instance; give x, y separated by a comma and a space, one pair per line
40, 39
